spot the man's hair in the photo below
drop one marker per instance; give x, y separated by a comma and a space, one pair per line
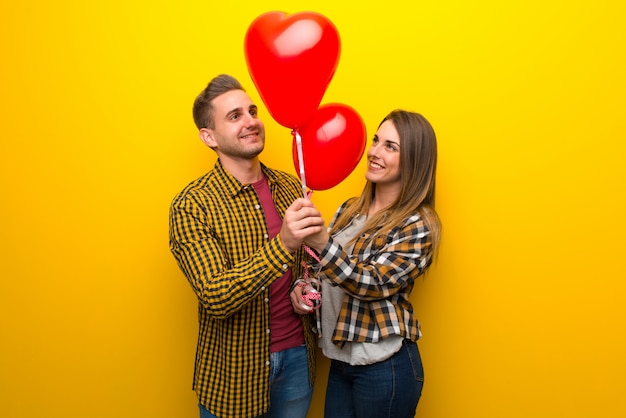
203, 105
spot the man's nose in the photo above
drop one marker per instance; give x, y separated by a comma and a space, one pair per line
249, 119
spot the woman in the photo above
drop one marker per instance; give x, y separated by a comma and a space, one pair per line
378, 244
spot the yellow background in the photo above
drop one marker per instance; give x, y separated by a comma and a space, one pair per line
523, 314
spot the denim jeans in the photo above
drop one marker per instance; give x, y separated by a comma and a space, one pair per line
290, 391
388, 389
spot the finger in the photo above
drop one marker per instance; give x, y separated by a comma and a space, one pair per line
294, 298
303, 309
300, 203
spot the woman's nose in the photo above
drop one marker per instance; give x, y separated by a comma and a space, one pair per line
372, 151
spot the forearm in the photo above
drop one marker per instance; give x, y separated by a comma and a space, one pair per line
222, 288
375, 276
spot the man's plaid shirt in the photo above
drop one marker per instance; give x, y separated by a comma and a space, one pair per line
219, 238
378, 278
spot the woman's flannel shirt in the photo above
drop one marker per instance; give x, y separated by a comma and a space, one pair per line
219, 238
378, 279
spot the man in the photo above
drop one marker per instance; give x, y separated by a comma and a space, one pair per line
255, 355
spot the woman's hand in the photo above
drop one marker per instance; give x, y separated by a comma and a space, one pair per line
297, 301
318, 240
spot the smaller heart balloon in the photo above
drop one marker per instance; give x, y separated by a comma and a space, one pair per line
333, 143
291, 60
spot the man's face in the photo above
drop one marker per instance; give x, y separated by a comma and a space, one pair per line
238, 132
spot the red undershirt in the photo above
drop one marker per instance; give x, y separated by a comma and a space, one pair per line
285, 326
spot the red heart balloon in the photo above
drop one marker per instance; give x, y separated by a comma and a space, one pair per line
291, 60
333, 143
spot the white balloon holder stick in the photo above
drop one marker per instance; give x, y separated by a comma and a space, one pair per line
301, 162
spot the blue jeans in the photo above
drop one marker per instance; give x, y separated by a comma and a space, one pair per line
290, 390
388, 389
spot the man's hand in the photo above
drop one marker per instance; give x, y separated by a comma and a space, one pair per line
302, 220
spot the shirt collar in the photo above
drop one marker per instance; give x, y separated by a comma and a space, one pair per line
233, 186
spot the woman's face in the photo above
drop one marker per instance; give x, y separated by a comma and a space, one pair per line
383, 157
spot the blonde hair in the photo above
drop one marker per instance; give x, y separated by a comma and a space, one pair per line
418, 166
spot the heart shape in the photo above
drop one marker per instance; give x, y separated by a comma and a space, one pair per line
291, 60
333, 143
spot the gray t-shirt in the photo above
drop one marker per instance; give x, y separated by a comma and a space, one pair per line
332, 297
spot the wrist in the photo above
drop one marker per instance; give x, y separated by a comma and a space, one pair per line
299, 282
285, 245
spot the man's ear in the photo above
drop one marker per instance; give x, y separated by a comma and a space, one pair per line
206, 135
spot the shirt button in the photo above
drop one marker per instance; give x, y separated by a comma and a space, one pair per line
267, 363
257, 206
285, 266
266, 236
263, 288
266, 300
267, 331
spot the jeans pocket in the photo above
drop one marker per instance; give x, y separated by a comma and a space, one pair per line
415, 359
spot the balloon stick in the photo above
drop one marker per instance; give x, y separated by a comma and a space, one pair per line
300, 161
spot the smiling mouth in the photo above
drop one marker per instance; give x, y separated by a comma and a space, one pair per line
250, 135
375, 166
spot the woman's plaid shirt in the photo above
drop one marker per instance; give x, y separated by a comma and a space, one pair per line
219, 238
378, 278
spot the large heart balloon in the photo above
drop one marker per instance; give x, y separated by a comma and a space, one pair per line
332, 145
291, 60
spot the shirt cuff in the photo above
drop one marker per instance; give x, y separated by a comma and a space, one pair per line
278, 256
